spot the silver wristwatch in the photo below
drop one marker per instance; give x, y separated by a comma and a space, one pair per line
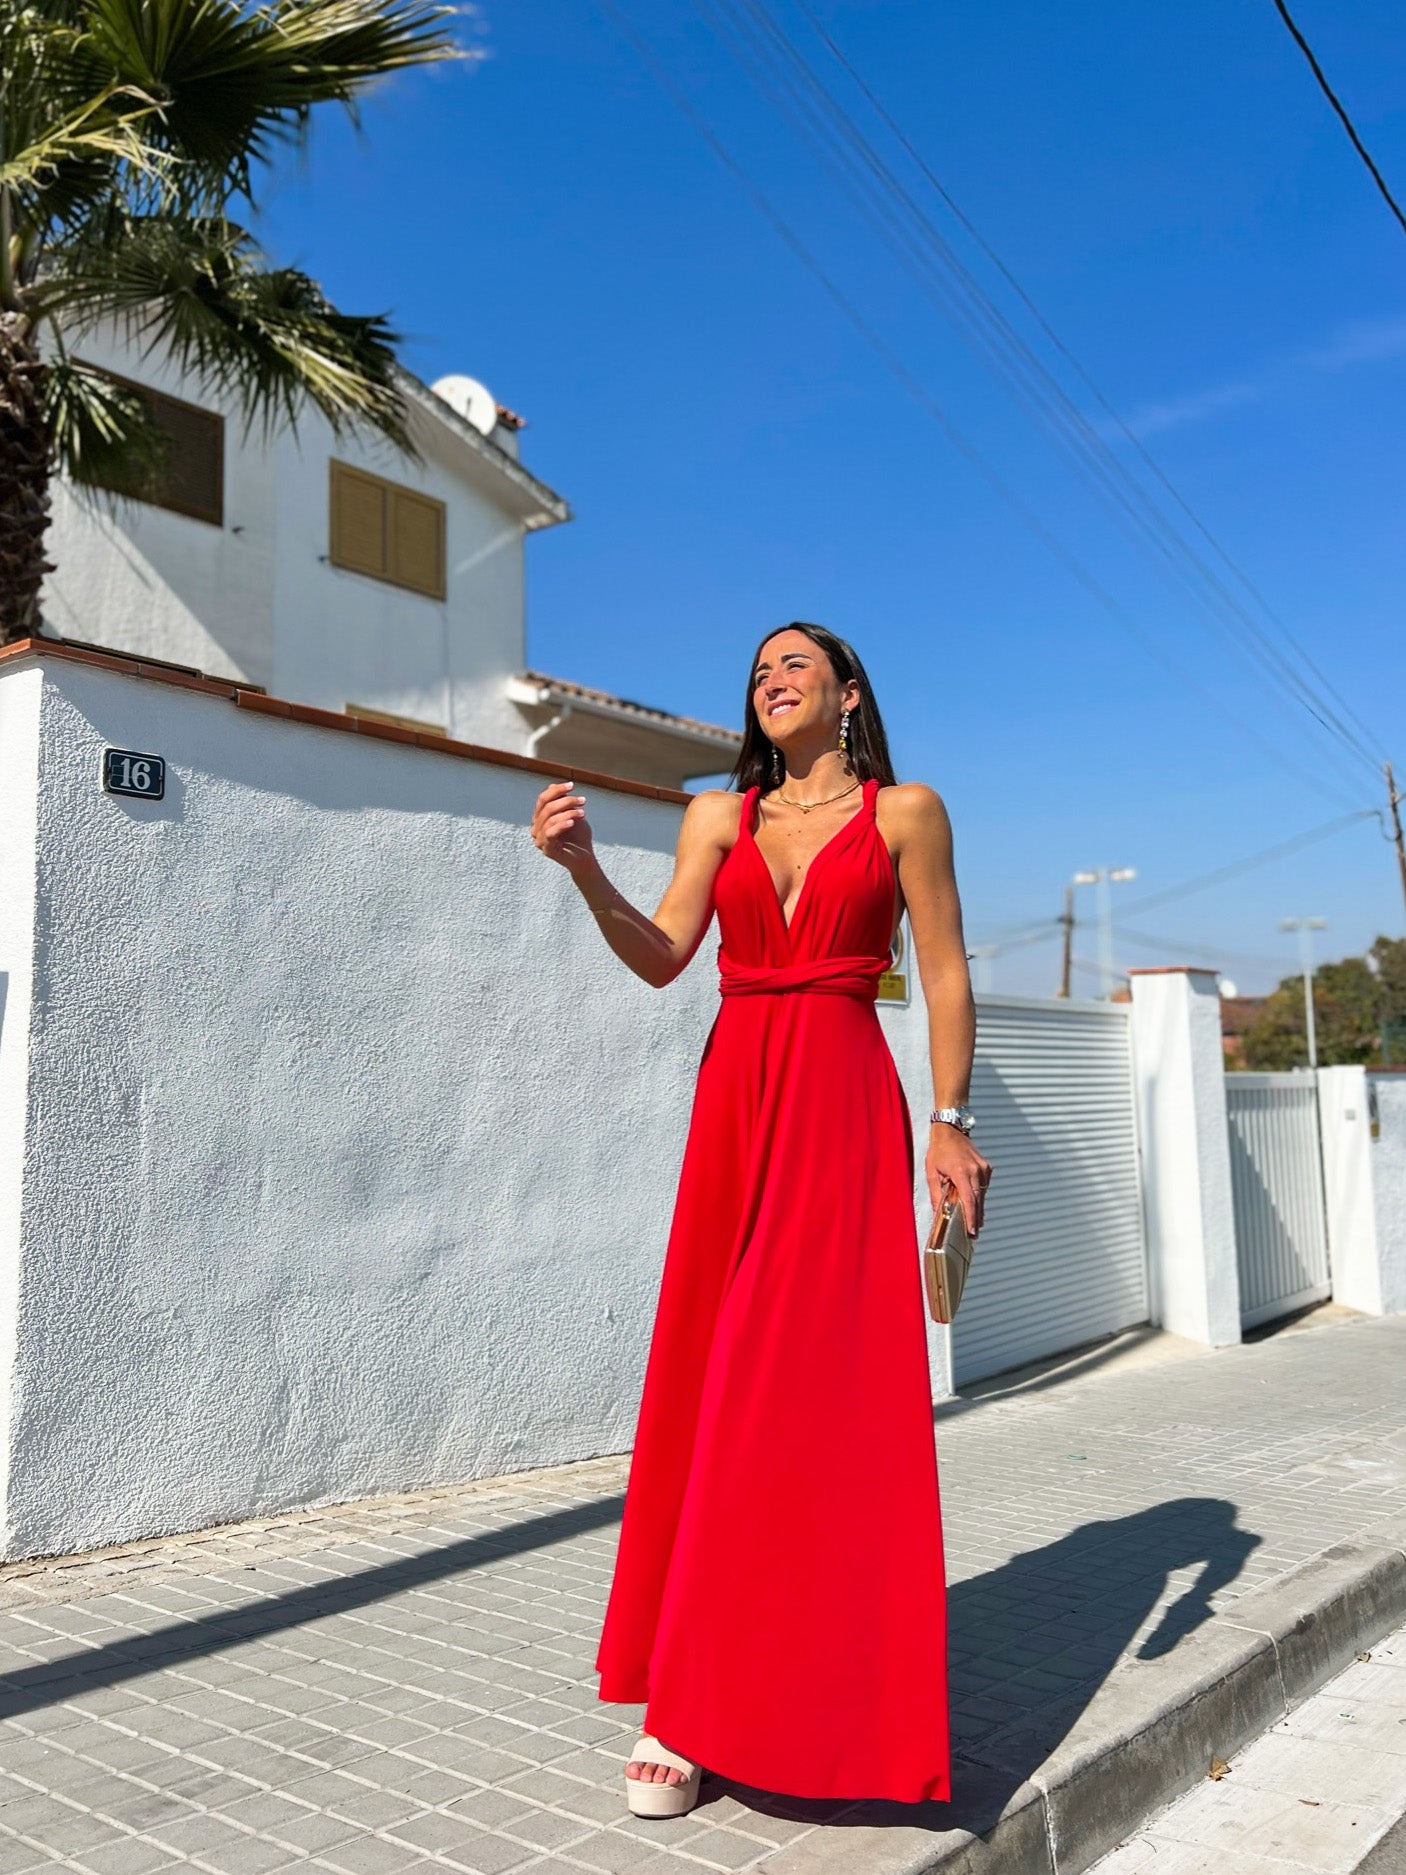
961, 1117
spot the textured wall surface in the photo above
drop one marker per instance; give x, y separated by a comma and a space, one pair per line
20, 695
1389, 1188
1350, 1158
1180, 1080
356, 1147
257, 599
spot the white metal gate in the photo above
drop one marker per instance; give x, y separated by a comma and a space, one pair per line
1062, 1259
1276, 1173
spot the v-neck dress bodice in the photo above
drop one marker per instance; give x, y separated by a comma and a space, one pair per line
842, 916
778, 1600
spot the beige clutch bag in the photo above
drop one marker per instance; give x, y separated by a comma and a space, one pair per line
946, 1260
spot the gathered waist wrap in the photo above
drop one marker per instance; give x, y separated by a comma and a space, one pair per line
825, 976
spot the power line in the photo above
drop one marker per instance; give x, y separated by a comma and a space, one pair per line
684, 103
1109, 410
1038, 931
1168, 946
1222, 874
1343, 117
897, 216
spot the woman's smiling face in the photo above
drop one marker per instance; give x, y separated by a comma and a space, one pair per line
794, 688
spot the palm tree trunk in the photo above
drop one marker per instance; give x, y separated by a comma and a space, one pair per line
24, 479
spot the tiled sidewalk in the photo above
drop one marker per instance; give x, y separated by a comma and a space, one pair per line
407, 1684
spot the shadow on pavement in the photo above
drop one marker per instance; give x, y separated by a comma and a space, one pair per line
28, 1688
1030, 1644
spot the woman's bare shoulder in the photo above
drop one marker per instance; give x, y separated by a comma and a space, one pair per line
912, 805
714, 815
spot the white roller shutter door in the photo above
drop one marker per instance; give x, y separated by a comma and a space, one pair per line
1062, 1258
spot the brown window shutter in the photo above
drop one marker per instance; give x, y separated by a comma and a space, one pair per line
193, 481
417, 542
358, 521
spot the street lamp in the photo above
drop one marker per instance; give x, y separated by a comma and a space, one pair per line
1306, 928
1104, 878
1067, 920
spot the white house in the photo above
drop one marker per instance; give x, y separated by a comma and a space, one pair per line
340, 574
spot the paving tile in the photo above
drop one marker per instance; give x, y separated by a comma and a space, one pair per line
16, 1856
615, 1853
315, 1832
370, 1855
125, 1855
70, 1832
543, 1829
252, 1855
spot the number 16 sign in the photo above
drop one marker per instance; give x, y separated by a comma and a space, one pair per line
127, 771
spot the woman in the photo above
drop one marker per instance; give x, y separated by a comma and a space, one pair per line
778, 1598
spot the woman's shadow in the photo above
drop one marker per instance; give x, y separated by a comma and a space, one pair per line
1031, 1642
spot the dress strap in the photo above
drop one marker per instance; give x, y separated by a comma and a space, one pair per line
749, 810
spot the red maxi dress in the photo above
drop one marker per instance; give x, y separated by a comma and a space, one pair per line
778, 1600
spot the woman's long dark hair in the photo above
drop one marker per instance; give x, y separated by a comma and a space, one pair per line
868, 745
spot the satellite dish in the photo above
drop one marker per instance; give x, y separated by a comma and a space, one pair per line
1227, 988
474, 402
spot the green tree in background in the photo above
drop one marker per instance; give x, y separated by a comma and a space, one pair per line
131, 135
1354, 1006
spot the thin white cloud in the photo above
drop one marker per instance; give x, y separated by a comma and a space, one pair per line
1363, 342
1359, 342
1147, 419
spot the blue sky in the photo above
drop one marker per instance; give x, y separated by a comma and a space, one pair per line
1173, 194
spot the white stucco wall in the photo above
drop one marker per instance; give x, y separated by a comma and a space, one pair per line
355, 1149
340, 638
1389, 1188
1349, 1203
163, 585
1362, 1120
257, 598
1179, 1074
20, 696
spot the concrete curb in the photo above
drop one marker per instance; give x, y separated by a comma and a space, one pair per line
1146, 1737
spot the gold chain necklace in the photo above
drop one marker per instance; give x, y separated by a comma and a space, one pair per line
806, 806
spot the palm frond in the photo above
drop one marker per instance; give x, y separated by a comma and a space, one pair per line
102, 433
101, 130
232, 81
200, 294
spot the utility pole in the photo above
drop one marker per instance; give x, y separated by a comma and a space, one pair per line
1067, 920
1394, 801
1306, 928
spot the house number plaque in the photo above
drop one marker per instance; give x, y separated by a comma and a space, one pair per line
128, 771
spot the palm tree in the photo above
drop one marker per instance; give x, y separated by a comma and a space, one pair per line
131, 133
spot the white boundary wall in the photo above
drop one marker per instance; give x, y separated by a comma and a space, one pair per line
337, 1152
351, 1148
1363, 1120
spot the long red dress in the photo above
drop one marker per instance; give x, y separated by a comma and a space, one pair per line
778, 1598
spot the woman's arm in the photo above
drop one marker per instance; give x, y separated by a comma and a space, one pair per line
923, 854
656, 948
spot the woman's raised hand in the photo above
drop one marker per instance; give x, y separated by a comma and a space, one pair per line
560, 828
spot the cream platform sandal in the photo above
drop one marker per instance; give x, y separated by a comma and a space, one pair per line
651, 1799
